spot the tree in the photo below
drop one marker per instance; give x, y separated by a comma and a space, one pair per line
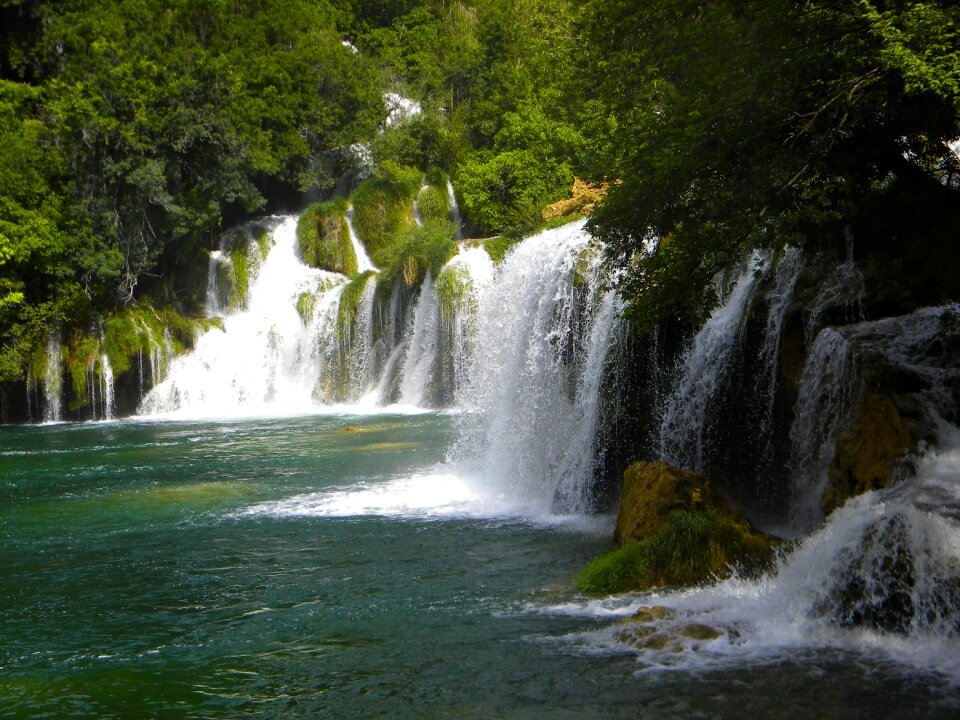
738, 125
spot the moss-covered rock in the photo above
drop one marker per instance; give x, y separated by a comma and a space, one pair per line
324, 238
433, 203
674, 529
453, 288
867, 452
382, 207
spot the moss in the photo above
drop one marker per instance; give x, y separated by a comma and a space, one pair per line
306, 302
241, 268
324, 238
383, 206
80, 355
350, 302
263, 243
419, 249
693, 547
453, 287
498, 247
433, 203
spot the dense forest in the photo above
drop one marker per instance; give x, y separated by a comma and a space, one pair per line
135, 132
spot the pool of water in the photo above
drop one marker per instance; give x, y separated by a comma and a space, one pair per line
333, 566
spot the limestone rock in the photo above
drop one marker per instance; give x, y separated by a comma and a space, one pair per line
652, 490
583, 198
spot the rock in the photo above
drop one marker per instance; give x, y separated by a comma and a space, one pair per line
867, 452
583, 198
674, 529
652, 490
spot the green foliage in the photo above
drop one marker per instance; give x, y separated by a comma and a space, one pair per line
325, 238
508, 189
693, 548
433, 203
418, 250
453, 287
733, 126
498, 247
382, 205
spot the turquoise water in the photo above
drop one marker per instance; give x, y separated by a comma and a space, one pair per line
326, 567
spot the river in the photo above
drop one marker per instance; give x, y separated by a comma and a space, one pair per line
336, 566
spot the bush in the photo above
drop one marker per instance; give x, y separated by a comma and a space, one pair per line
509, 189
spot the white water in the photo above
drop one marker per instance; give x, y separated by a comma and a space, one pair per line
255, 364
828, 388
879, 579
364, 263
788, 269
454, 211
107, 391
538, 343
683, 428
52, 380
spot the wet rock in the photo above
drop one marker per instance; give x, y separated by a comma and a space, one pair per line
867, 452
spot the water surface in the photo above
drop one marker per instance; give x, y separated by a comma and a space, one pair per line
328, 566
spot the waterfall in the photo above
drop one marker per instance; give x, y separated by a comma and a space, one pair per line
364, 263
844, 288
52, 380
212, 300
256, 361
418, 366
543, 335
684, 426
828, 388
780, 296
454, 211
106, 386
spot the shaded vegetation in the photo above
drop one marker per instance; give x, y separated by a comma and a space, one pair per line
324, 238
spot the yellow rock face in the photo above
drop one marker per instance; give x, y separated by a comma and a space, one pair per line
583, 198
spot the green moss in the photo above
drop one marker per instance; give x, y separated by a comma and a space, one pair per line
498, 247
241, 273
306, 302
350, 303
80, 354
263, 243
694, 547
437, 177
452, 287
433, 203
382, 207
419, 249
324, 238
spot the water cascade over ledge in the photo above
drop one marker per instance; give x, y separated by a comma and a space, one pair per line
520, 349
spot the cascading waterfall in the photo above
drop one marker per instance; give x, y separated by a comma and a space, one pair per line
684, 426
52, 380
528, 426
828, 387
364, 263
256, 362
421, 357
454, 211
788, 269
106, 386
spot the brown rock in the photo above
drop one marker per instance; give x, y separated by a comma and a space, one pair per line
583, 198
867, 452
652, 490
